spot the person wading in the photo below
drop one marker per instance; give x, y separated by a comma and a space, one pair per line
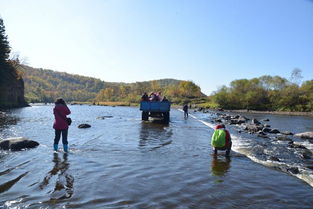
185, 108
61, 124
221, 140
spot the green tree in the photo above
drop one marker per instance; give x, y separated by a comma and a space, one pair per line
4, 44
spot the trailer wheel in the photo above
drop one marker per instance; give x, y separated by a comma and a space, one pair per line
145, 116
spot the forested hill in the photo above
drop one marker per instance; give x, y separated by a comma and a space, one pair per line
43, 85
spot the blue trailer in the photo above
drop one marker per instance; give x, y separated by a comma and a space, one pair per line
155, 110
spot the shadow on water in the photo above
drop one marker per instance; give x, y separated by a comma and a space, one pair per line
6, 186
64, 184
154, 135
220, 166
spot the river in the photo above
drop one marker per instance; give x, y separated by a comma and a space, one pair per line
122, 162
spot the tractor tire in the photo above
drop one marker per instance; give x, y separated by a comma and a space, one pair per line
166, 117
145, 116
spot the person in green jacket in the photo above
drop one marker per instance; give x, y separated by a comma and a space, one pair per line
221, 140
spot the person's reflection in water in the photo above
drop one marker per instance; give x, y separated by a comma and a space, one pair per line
64, 183
220, 166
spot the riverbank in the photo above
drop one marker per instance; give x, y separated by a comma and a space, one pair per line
273, 112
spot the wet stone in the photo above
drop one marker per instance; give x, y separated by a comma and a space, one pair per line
283, 138
265, 129
255, 121
84, 125
292, 145
273, 158
293, 170
305, 135
286, 133
274, 131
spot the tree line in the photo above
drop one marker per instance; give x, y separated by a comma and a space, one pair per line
176, 91
43, 85
11, 82
270, 93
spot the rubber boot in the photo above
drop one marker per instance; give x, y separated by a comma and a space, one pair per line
227, 153
55, 147
65, 147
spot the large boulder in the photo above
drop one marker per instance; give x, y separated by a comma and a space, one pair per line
305, 135
18, 143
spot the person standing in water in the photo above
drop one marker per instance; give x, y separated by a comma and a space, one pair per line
60, 125
185, 108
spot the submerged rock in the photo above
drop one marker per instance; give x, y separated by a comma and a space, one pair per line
283, 138
305, 135
274, 131
265, 129
262, 135
84, 125
273, 158
286, 133
218, 120
18, 143
293, 170
255, 121
298, 146
104, 117
253, 128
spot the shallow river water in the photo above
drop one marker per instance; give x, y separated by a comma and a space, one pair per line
122, 162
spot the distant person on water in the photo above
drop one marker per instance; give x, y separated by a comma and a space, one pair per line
61, 124
221, 140
185, 108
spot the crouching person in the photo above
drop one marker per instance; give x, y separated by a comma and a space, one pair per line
221, 140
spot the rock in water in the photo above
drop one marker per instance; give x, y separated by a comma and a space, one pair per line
84, 125
104, 117
18, 143
274, 131
255, 121
305, 135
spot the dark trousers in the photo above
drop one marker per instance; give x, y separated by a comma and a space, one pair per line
58, 136
226, 147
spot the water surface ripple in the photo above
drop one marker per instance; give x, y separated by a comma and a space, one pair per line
122, 162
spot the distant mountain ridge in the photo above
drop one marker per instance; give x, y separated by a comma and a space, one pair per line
42, 85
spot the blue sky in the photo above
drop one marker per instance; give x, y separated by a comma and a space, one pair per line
210, 42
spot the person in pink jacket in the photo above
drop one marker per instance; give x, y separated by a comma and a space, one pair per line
60, 125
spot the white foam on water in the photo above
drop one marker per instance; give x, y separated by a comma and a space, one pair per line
242, 145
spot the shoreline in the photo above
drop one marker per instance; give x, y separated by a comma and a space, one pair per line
309, 114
